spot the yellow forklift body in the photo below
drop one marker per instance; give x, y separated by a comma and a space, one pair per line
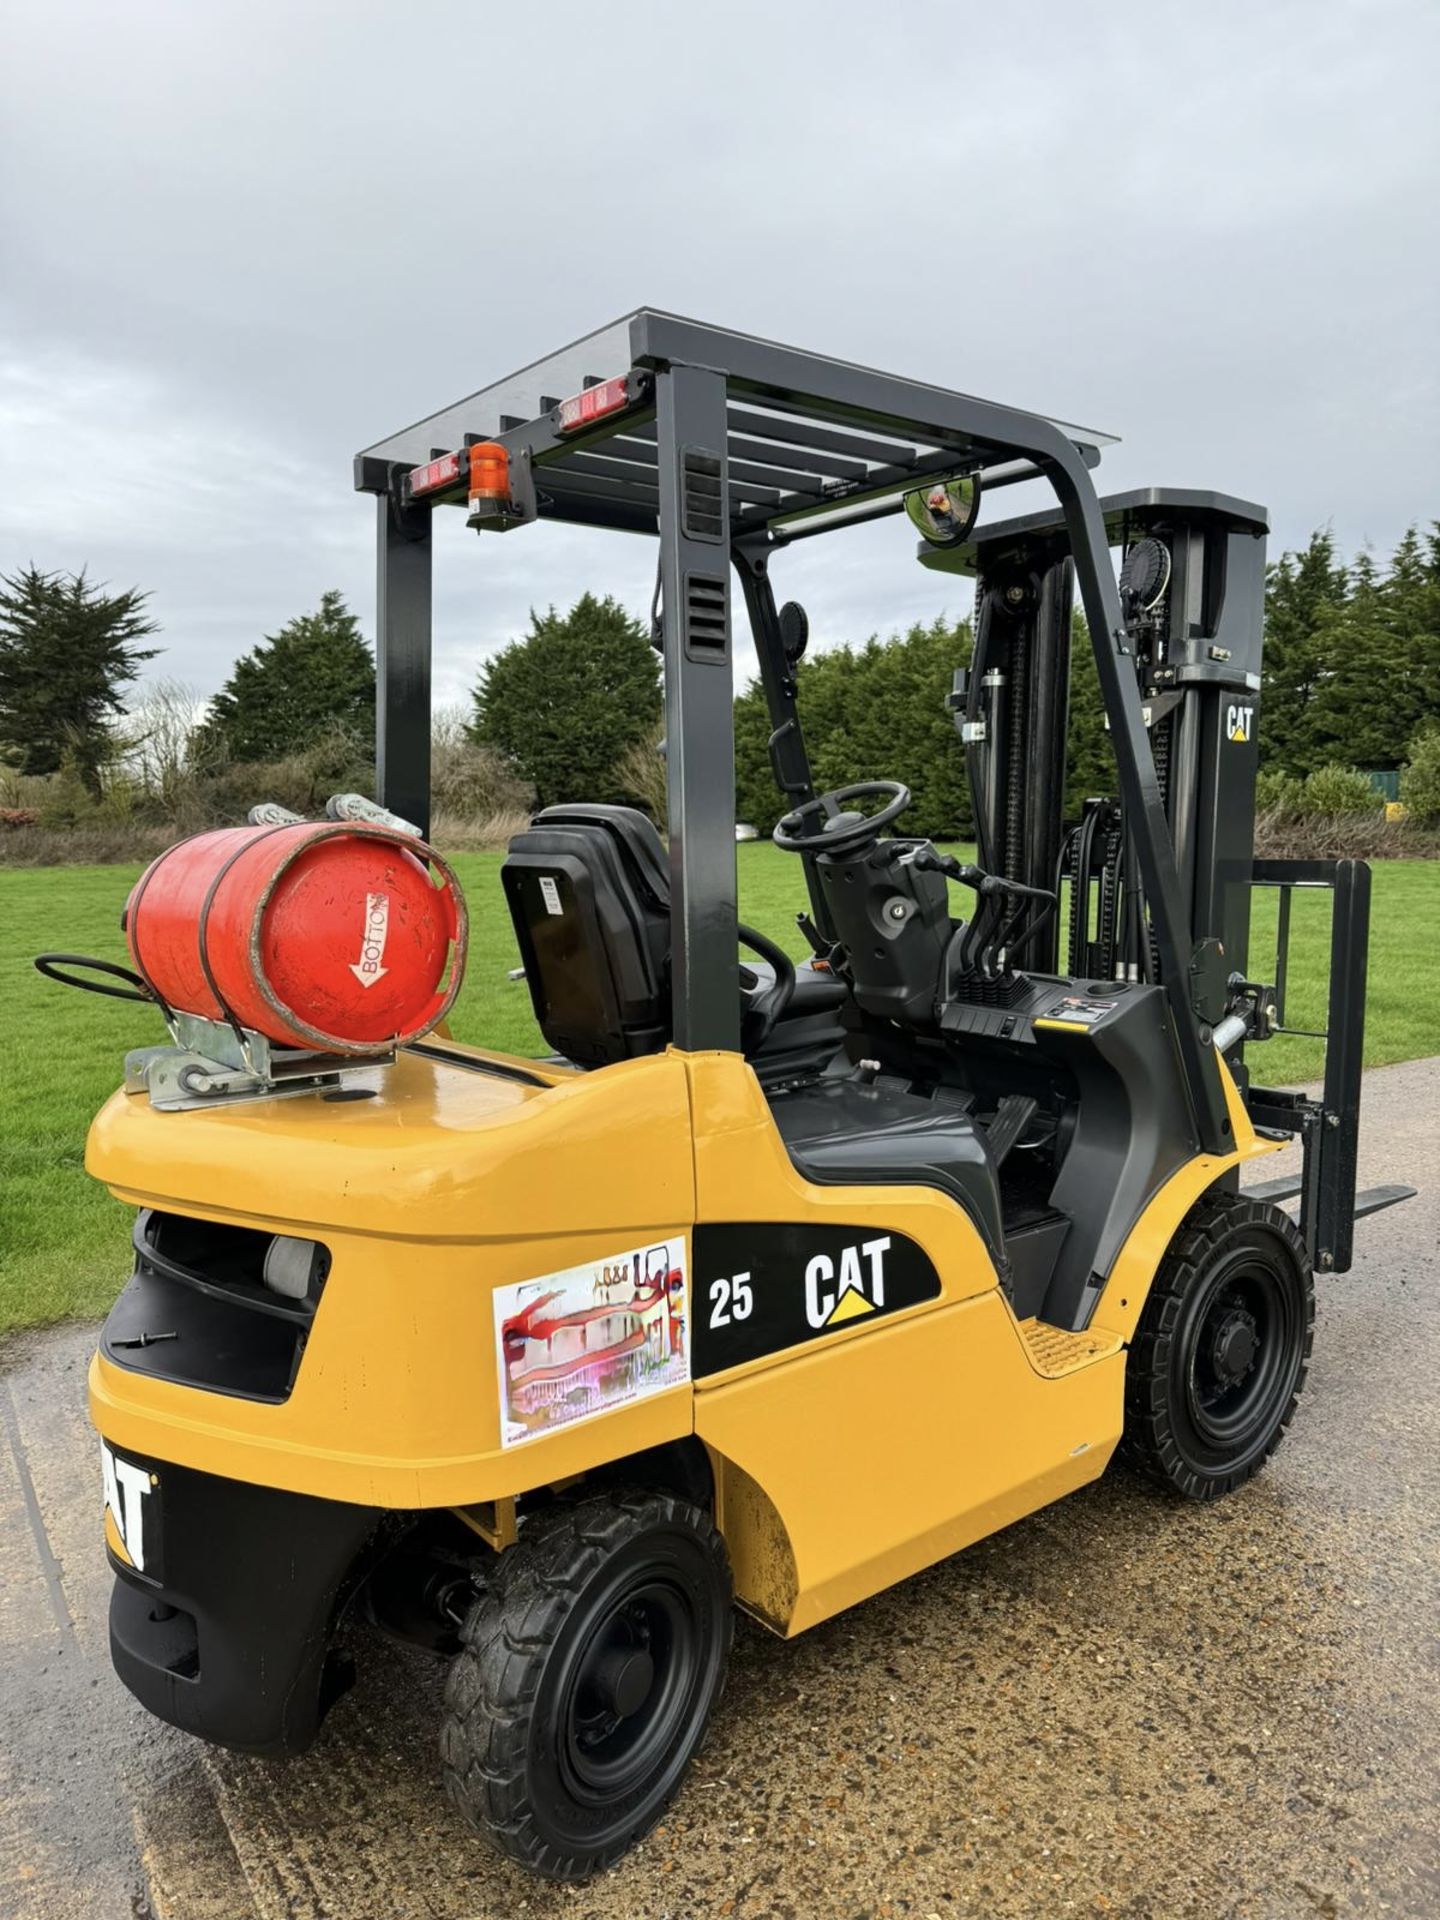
779, 1282
841, 1466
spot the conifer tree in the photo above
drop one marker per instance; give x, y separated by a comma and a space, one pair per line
874, 712
67, 652
314, 676
563, 704
1302, 592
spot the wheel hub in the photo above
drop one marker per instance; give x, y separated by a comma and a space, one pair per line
623, 1678
618, 1709
1235, 1346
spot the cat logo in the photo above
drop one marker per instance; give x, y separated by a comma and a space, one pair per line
784, 1284
1239, 723
831, 1298
127, 1488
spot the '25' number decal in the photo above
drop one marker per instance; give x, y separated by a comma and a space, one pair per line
730, 1298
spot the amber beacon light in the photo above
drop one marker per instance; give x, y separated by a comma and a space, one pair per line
489, 481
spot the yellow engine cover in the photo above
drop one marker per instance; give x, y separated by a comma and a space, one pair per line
510, 1255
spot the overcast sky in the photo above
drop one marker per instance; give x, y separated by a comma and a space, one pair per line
240, 240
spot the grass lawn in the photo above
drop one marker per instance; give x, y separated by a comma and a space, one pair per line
64, 1241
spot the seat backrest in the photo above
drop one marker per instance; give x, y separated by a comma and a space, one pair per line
588, 889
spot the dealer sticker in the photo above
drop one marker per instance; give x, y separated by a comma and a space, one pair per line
575, 1344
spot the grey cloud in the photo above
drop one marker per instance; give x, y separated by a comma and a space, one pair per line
237, 242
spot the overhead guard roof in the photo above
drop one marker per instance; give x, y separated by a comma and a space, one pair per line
808, 435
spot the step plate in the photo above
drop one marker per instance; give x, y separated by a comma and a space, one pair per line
1054, 1352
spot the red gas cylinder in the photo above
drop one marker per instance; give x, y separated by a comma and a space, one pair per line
328, 936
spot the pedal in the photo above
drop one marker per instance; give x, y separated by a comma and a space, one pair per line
1012, 1116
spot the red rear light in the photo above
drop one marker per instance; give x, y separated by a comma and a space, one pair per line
444, 472
611, 396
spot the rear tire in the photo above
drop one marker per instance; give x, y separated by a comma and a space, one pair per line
1218, 1362
586, 1677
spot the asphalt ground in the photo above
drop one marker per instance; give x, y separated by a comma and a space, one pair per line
1122, 1706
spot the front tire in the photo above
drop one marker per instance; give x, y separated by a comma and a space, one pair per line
1219, 1360
586, 1677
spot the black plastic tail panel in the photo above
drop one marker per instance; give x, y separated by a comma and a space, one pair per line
231, 1641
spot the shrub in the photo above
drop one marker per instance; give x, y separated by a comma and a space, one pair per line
1280, 794
22, 789
92, 845
1341, 836
161, 755
68, 801
468, 781
156, 796
1336, 790
477, 833
1420, 779
642, 775
302, 781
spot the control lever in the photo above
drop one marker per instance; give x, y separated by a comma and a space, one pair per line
988, 885
829, 955
986, 940
814, 939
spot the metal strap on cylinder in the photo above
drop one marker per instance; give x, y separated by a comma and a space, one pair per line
130, 920
203, 936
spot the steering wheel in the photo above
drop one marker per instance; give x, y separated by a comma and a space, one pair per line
757, 1020
837, 830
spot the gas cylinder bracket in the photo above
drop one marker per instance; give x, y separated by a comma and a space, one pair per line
212, 1066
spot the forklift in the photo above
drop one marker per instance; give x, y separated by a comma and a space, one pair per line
775, 1282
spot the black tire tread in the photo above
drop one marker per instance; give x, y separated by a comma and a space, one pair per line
1148, 1443
494, 1680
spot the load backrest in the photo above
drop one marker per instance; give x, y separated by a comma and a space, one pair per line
589, 892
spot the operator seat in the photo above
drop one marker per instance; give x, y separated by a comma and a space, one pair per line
588, 887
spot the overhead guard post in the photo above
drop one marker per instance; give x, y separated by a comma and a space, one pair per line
402, 661
699, 699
